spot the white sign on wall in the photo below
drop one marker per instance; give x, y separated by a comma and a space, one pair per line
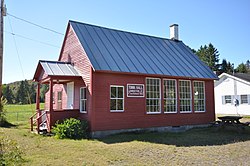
135, 90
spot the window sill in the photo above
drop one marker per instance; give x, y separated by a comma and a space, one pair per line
186, 112
199, 111
153, 113
83, 112
170, 112
116, 110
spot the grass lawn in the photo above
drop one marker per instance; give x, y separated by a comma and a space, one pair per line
203, 146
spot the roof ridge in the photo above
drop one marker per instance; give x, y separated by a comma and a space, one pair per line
135, 33
54, 61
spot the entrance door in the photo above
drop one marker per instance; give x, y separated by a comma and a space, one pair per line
70, 95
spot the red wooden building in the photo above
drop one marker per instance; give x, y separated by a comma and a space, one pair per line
123, 81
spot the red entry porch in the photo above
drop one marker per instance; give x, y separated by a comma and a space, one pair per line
62, 98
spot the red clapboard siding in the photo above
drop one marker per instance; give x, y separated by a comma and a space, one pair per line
135, 115
73, 52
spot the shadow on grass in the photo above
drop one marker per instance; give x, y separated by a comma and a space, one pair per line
7, 124
196, 137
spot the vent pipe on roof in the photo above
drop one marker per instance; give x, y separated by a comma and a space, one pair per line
174, 34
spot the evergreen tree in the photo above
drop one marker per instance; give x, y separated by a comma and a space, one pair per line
44, 89
32, 93
8, 94
29, 90
20, 96
241, 68
23, 95
210, 56
226, 67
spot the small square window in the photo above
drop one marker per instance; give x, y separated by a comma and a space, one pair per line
116, 98
228, 99
243, 99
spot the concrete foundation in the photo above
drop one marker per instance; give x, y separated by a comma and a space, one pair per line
100, 134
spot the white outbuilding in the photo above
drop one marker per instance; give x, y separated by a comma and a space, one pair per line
232, 94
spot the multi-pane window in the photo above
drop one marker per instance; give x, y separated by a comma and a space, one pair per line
228, 99
83, 100
170, 96
153, 98
243, 99
199, 96
116, 98
185, 96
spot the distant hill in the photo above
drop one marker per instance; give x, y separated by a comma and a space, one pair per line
14, 85
22, 92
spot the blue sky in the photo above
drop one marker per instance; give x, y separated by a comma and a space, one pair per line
224, 23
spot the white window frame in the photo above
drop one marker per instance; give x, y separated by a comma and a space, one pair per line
190, 99
116, 98
164, 93
244, 100
159, 99
83, 99
204, 99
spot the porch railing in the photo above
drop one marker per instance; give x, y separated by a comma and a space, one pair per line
51, 117
34, 121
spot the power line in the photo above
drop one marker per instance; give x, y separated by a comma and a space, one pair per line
41, 42
48, 29
14, 39
19, 59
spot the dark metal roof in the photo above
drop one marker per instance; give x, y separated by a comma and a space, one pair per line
243, 76
119, 51
56, 68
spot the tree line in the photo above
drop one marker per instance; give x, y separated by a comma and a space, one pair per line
210, 56
23, 92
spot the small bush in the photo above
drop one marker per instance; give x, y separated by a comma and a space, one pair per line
71, 128
10, 153
3, 120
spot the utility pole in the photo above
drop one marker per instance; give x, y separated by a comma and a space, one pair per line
3, 13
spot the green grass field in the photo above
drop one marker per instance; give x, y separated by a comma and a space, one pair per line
203, 146
20, 114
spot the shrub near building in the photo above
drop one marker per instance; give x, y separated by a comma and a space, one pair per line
71, 128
